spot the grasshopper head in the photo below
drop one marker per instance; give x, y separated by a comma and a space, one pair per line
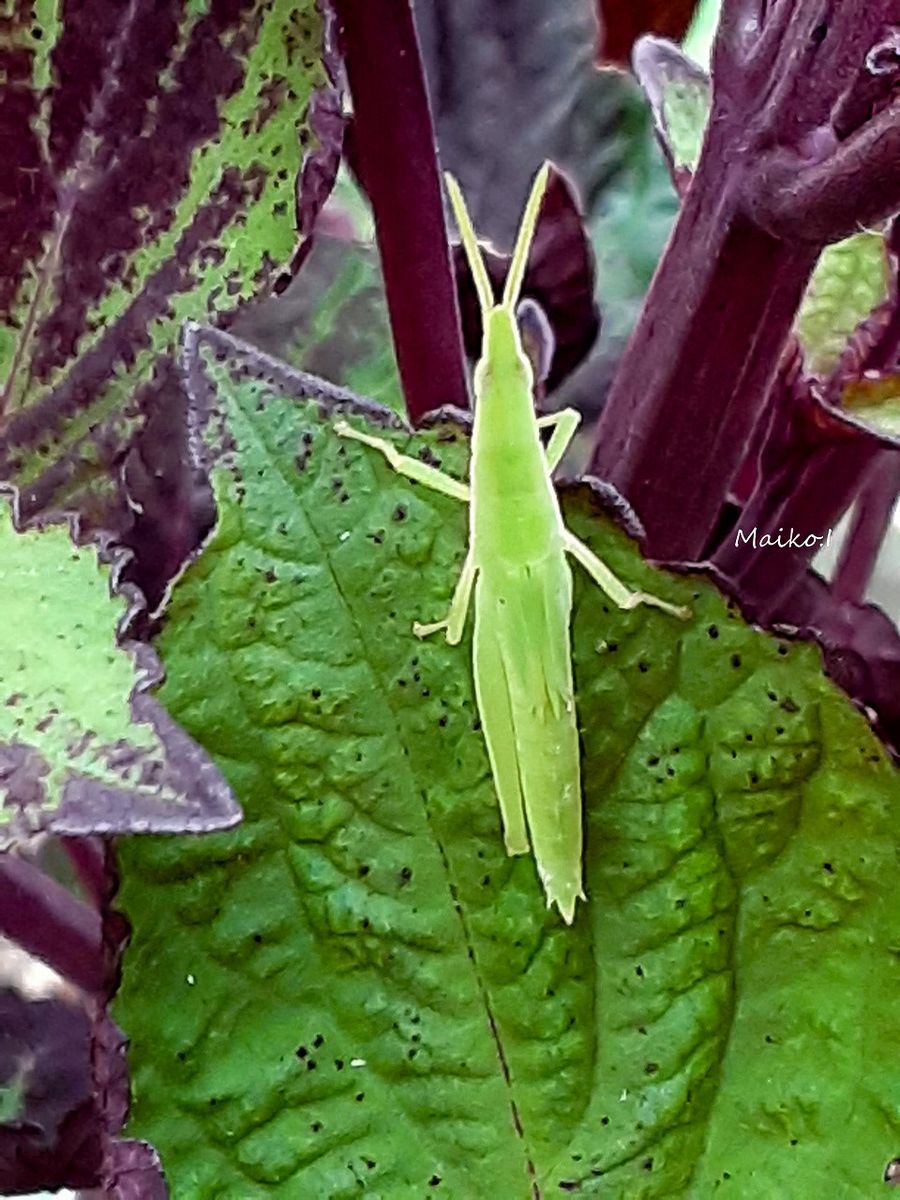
503, 348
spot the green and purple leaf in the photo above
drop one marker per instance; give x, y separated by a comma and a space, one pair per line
851, 279
151, 160
84, 747
680, 96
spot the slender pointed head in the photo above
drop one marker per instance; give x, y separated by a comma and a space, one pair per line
502, 353
502, 350
521, 250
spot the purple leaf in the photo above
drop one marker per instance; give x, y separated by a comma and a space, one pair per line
50, 1132
861, 649
133, 1172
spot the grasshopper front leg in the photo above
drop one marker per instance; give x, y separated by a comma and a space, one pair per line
564, 424
429, 477
403, 464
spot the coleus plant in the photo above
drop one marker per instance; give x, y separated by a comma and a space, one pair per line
354, 991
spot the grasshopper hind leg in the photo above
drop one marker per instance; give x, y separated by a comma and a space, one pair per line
620, 595
495, 711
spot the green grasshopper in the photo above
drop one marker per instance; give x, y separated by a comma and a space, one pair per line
517, 569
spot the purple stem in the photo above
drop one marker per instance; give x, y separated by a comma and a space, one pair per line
88, 857
732, 41
825, 200
872, 87
871, 521
393, 138
773, 186
48, 921
805, 498
694, 378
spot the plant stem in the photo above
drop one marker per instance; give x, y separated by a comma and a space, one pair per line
806, 496
871, 521
45, 919
694, 378
88, 858
393, 138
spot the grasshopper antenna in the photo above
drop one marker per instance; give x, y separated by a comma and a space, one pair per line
470, 244
523, 241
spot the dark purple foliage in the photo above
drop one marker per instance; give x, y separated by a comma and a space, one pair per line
774, 184
56, 1138
96, 171
132, 1171
861, 650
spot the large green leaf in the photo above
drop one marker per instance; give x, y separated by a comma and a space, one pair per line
151, 154
358, 994
83, 747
